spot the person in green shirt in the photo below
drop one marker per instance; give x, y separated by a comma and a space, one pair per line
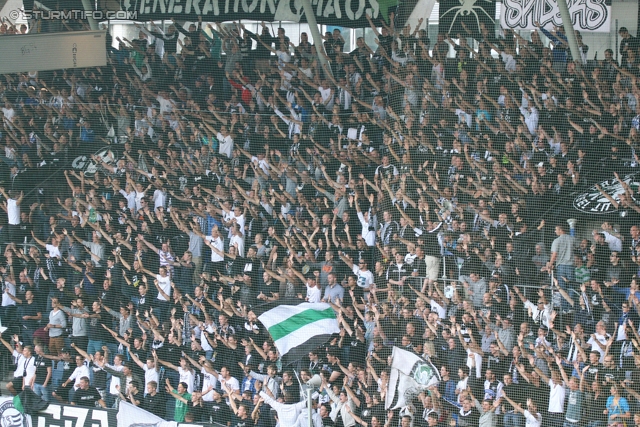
582, 273
182, 398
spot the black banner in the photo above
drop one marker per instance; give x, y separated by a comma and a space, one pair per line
343, 13
75, 416
453, 13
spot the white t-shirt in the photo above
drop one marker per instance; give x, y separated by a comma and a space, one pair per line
226, 144
23, 365
232, 382
149, 375
595, 347
186, 376
115, 381
54, 251
78, 373
325, 93
208, 380
11, 288
159, 199
204, 342
9, 113
165, 284
240, 242
13, 212
532, 420
437, 308
365, 278
313, 294
166, 106
240, 220
219, 244
130, 197
556, 397
462, 386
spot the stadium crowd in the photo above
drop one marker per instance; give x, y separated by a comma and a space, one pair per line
241, 172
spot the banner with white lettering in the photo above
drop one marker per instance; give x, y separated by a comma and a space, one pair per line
587, 15
74, 416
343, 13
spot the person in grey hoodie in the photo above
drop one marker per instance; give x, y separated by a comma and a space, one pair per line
79, 325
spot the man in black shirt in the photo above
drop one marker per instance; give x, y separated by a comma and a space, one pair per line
511, 416
610, 374
220, 411
627, 43
87, 396
468, 415
95, 328
198, 410
154, 402
42, 378
30, 315
143, 299
133, 394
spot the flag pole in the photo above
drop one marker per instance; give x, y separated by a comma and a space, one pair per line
569, 31
315, 34
309, 406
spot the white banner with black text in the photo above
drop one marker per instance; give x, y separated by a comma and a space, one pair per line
586, 15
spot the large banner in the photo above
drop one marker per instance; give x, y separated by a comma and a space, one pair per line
592, 201
587, 15
343, 13
56, 416
74, 416
460, 16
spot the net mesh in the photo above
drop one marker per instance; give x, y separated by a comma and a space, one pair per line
466, 206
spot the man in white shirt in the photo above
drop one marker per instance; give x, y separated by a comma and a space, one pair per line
225, 378
82, 370
288, 412
225, 141
150, 369
368, 223
8, 112
237, 240
217, 257
166, 104
13, 212
24, 362
365, 277
314, 291
598, 341
208, 379
8, 309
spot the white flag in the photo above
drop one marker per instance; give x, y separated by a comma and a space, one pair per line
410, 375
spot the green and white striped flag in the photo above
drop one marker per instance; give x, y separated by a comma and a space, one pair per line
300, 328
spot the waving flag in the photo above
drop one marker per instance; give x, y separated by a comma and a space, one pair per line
410, 375
297, 329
